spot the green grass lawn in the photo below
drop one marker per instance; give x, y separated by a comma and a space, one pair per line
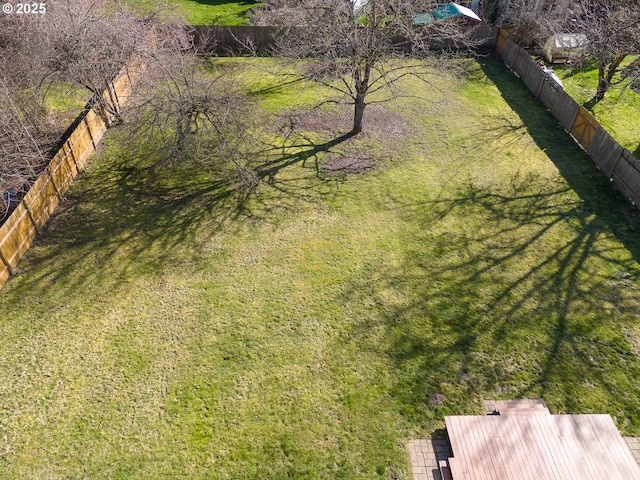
619, 112
65, 102
167, 326
205, 12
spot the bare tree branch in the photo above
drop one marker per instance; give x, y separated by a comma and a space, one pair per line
611, 27
348, 46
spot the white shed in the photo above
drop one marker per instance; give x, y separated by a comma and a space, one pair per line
565, 47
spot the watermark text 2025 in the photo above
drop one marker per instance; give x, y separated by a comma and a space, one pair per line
29, 8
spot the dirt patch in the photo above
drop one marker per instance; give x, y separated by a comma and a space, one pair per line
378, 121
347, 164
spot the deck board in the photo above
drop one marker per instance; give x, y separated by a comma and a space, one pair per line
502, 447
463, 459
482, 455
489, 452
550, 440
525, 456
539, 447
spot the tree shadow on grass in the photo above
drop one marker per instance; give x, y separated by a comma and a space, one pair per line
150, 218
516, 290
534, 304
591, 103
576, 167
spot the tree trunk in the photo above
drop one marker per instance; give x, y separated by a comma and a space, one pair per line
603, 86
181, 137
358, 116
605, 76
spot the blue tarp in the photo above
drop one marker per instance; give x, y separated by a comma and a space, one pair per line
445, 11
423, 18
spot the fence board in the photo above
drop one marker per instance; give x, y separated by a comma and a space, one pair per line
529, 71
63, 169
584, 127
521, 61
487, 36
96, 127
224, 39
82, 144
559, 103
605, 151
510, 52
501, 41
534, 78
219, 39
626, 176
19, 230
5, 273
40, 200
17, 234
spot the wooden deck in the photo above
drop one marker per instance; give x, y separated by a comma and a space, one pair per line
538, 447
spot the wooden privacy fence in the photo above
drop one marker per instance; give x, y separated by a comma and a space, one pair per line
19, 230
617, 163
211, 38
241, 39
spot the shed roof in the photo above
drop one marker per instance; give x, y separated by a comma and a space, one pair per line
567, 40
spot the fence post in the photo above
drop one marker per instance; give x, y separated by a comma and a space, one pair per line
540, 89
615, 166
27, 207
86, 123
5, 261
501, 41
53, 182
73, 155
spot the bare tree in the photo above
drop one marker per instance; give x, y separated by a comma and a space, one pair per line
89, 43
184, 111
23, 116
187, 113
613, 32
77, 41
531, 22
612, 29
24, 141
353, 46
